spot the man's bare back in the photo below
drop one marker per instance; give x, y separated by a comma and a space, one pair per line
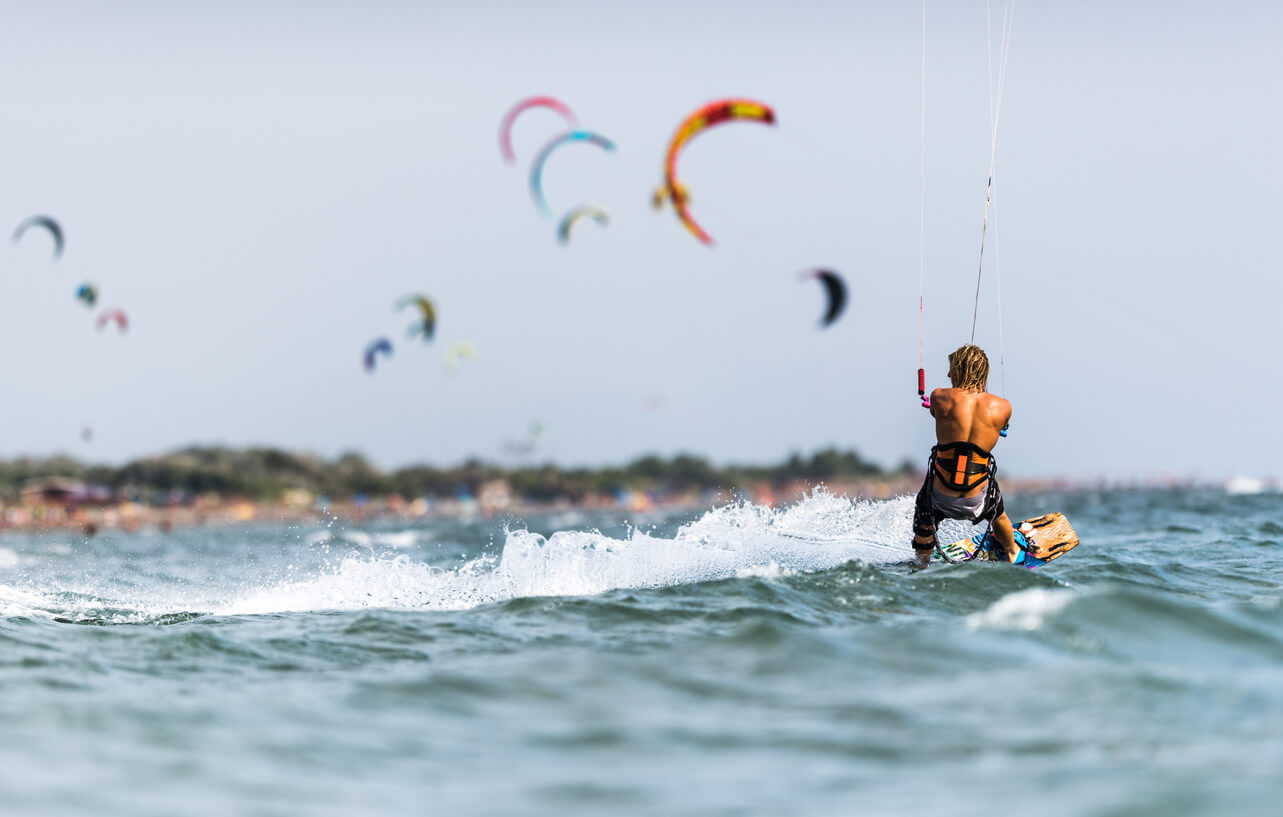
968, 417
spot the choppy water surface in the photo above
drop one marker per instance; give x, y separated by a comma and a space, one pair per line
734, 661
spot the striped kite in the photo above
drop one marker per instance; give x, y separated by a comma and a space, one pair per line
427, 312
371, 352
586, 211
87, 293
505, 127
536, 167
108, 315
714, 113
458, 351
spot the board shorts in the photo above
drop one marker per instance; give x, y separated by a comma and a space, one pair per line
932, 507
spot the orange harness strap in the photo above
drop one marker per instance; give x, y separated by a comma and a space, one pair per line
961, 466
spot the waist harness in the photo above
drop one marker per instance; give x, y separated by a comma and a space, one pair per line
961, 466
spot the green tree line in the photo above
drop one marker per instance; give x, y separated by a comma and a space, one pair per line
265, 473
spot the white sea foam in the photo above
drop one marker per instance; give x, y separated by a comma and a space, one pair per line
1246, 486
819, 532
400, 539
320, 537
771, 571
15, 602
357, 537
1025, 610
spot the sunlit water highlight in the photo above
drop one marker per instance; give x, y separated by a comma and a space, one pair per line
740, 660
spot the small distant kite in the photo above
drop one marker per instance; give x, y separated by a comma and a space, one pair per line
371, 352
427, 325
108, 315
536, 167
87, 293
459, 351
572, 218
47, 223
714, 113
87, 434
528, 446
505, 126
834, 288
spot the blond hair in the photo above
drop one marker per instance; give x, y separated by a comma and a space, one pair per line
969, 368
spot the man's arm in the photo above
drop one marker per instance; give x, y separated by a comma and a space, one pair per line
937, 402
998, 413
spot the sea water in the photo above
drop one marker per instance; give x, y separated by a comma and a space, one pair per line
738, 660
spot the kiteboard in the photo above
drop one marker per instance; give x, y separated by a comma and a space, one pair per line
1040, 539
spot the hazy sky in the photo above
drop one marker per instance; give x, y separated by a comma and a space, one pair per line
256, 183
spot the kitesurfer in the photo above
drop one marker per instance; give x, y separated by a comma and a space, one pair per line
962, 477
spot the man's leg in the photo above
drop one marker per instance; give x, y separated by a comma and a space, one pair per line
922, 555
1000, 526
924, 526
1005, 536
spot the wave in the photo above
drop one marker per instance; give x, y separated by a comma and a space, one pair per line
1023, 610
819, 532
1142, 624
16, 602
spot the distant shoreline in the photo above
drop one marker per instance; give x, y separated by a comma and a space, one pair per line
495, 499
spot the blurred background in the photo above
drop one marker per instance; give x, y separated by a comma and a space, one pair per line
256, 184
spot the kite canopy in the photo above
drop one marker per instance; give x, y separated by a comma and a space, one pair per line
505, 126
536, 167
572, 218
428, 314
108, 315
458, 351
88, 294
371, 352
834, 288
714, 113
47, 223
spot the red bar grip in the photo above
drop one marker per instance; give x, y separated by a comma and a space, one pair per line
922, 382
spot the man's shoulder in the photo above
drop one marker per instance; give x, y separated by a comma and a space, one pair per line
997, 405
943, 399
